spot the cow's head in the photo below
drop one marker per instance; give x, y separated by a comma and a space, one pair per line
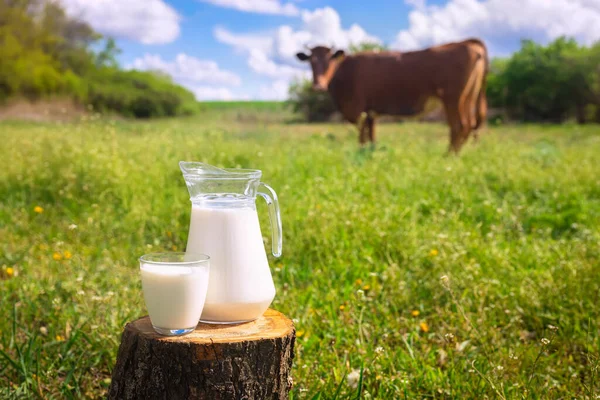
324, 62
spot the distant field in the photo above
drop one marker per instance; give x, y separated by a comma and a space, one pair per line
408, 274
244, 105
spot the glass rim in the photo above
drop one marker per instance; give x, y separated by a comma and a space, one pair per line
198, 258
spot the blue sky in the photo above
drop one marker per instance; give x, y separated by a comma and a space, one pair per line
244, 49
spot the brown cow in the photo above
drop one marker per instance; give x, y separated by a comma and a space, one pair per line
366, 84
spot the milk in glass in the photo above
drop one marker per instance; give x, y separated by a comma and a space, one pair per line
174, 295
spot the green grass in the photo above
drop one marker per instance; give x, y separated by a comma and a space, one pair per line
437, 277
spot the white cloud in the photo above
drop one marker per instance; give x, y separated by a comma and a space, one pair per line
186, 69
145, 21
502, 23
325, 27
278, 90
204, 78
258, 6
320, 27
274, 54
216, 93
287, 42
260, 63
243, 42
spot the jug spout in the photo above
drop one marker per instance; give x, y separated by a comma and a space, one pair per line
204, 180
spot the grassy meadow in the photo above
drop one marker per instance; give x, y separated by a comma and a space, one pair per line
408, 274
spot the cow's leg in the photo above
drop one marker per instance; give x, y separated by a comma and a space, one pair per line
475, 100
466, 113
371, 128
363, 127
475, 136
466, 127
454, 121
480, 111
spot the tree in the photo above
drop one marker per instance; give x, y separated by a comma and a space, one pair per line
26, 67
45, 52
107, 57
367, 47
548, 83
70, 39
496, 86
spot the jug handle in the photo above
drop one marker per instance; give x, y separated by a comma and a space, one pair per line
275, 217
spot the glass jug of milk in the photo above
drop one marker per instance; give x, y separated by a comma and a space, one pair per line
224, 224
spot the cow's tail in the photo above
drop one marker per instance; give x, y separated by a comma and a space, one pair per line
481, 107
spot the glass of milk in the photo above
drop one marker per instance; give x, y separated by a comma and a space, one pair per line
174, 286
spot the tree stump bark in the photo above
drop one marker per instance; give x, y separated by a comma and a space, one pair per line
243, 361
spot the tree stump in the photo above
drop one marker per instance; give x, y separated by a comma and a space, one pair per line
242, 361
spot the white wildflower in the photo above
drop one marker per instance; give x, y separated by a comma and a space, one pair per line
353, 378
360, 294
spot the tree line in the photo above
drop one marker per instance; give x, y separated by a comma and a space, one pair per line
552, 83
44, 52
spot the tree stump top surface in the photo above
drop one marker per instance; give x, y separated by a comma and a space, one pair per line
272, 324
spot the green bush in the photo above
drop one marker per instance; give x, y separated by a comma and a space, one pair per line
547, 83
496, 86
311, 105
138, 94
43, 52
33, 43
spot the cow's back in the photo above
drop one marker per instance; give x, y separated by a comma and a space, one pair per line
380, 82
396, 83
